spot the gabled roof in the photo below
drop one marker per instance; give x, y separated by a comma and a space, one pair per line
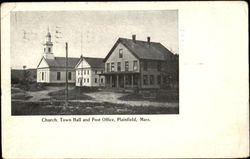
93, 62
61, 62
143, 50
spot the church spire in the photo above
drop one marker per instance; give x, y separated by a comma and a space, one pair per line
48, 37
48, 53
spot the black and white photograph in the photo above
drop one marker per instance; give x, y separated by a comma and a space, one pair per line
94, 62
125, 79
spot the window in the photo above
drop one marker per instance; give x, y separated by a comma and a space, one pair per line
159, 79
120, 53
84, 80
69, 75
95, 71
112, 67
101, 80
145, 79
159, 66
95, 80
78, 72
151, 79
126, 66
145, 66
58, 76
84, 72
49, 49
118, 66
87, 80
108, 67
87, 72
42, 76
135, 67
81, 72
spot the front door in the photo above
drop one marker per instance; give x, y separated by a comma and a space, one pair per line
80, 81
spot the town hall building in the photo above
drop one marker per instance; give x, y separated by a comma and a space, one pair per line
88, 72
52, 69
133, 63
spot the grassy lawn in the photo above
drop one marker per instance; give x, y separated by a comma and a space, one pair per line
74, 94
21, 96
77, 108
30, 87
15, 90
87, 89
153, 96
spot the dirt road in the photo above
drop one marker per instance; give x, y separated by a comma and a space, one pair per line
37, 95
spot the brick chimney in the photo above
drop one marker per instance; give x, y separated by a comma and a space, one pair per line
148, 39
134, 38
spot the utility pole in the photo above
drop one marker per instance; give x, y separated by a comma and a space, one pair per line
66, 100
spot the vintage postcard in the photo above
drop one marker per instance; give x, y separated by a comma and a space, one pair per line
108, 72
124, 80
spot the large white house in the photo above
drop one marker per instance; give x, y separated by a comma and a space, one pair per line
88, 72
52, 69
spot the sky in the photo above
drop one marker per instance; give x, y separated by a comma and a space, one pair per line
90, 33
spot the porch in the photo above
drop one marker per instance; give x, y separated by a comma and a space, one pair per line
122, 80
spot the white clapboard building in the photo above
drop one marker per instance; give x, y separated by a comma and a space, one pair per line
88, 72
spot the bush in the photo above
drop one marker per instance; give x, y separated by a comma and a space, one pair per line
15, 80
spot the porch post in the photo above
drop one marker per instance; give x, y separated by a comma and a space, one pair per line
132, 81
139, 81
124, 80
117, 81
110, 82
106, 80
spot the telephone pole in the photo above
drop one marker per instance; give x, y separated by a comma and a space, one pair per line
66, 99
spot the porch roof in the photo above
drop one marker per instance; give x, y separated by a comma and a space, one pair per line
119, 73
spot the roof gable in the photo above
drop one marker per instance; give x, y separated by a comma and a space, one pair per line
82, 64
142, 49
61, 62
42, 63
92, 62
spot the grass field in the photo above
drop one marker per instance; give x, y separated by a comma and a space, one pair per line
73, 94
91, 108
153, 96
49, 100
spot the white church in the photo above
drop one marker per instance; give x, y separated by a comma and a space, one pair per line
52, 69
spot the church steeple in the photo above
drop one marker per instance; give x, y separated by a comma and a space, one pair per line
48, 45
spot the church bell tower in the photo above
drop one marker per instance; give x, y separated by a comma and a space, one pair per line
48, 45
